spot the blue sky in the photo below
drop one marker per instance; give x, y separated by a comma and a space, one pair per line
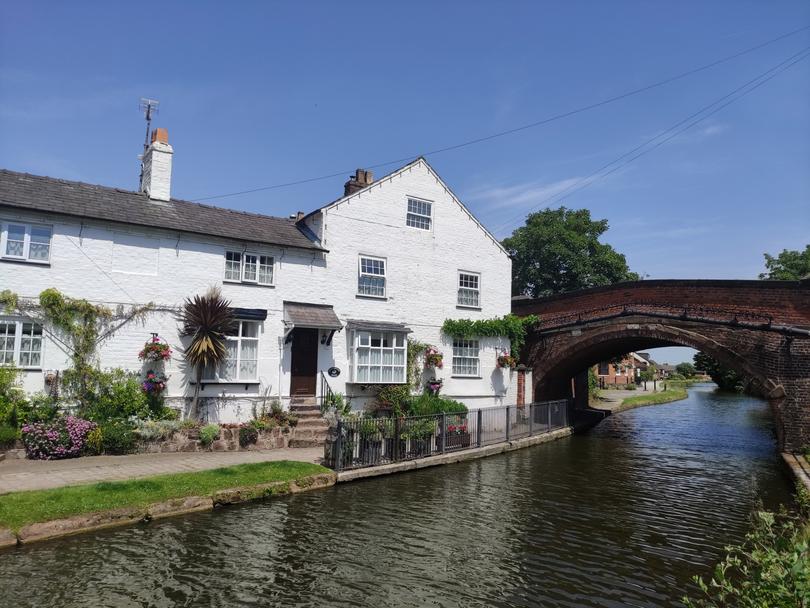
262, 93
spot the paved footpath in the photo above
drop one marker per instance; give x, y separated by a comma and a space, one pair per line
21, 474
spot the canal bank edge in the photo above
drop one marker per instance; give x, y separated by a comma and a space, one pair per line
799, 467
100, 520
453, 457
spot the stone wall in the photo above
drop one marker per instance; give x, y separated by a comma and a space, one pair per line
188, 440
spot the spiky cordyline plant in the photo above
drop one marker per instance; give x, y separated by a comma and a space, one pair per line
207, 319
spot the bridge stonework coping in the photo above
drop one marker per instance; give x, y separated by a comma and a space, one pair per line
758, 328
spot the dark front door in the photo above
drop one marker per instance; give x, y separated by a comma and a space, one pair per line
304, 361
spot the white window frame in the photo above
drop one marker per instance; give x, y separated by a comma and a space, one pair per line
25, 257
461, 287
361, 274
239, 338
397, 343
461, 355
419, 215
261, 260
19, 324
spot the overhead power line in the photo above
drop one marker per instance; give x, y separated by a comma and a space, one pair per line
667, 134
524, 127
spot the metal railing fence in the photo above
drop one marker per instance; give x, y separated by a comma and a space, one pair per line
367, 441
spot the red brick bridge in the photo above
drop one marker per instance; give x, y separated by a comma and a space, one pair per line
758, 328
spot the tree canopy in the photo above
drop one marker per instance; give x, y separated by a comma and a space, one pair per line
790, 265
558, 250
723, 377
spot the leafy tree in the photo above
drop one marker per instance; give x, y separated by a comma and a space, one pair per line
558, 250
725, 378
787, 266
687, 370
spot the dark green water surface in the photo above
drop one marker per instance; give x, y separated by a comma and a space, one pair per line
621, 516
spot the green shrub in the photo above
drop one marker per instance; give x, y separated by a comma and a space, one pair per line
117, 437
153, 430
8, 436
189, 423
770, 568
113, 395
94, 444
209, 433
39, 408
12, 397
248, 435
427, 404
394, 397
336, 402
630, 387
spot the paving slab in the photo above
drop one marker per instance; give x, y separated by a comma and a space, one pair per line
20, 475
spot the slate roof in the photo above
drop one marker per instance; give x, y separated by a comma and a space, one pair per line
51, 195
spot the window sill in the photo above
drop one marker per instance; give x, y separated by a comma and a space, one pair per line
467, 377
29, 262
364, 296
465, 306
248, 283
204, 383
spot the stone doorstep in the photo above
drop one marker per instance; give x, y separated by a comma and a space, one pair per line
176, 506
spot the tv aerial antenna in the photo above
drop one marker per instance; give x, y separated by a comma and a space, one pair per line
149, 107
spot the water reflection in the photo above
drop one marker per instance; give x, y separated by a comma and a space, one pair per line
621, 516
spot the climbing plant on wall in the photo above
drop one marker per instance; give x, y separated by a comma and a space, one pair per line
509, 326
80, 326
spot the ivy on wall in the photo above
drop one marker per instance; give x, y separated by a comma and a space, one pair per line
509, 326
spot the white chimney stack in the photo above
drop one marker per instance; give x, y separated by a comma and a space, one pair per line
156, 177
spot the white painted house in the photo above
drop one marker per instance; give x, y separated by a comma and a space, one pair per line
339, 289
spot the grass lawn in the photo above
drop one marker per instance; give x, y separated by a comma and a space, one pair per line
18, 509
671, 394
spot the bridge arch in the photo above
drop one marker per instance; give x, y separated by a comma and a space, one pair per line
758, 328
552, 380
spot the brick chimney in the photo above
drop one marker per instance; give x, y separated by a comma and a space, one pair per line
358, 181
156, 175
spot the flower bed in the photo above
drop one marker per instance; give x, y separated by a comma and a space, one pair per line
63, 438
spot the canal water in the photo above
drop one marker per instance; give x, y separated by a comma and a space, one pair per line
621, 516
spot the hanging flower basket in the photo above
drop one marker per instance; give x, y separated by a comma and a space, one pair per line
434, 386
506, 360
433, 358
155, 350
154, 383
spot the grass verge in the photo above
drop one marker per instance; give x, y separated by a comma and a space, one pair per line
18, 509
671, 394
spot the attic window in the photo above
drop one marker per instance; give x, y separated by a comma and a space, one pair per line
419, 214
248, 268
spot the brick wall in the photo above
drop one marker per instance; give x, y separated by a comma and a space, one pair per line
777, 364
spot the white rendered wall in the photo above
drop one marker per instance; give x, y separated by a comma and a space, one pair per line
115, 264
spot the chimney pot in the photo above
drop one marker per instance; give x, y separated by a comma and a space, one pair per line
160, 134
358, 181
299, 215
